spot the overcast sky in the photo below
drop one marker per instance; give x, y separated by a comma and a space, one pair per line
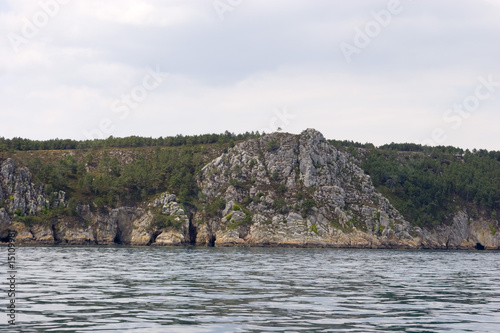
369, 71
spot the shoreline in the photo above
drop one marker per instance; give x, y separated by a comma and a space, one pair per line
284, 246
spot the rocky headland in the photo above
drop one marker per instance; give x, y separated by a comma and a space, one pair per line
277, 190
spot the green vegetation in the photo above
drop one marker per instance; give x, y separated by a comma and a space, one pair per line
32, 220
237, 184
256, 199
357, 223
347, 145
272, 145
111, 177
163, 221
493, 229
306, 206
246, 221
214, 208
105, 181
45, 217
428, 184
19, 144
381, 229
279, 204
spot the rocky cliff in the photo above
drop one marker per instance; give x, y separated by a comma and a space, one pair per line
278, 190
287, 190
18, 194
20, 197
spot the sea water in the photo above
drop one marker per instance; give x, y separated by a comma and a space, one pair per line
195, 289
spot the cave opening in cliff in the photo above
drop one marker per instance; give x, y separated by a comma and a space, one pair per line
192, 232
480, 247
55, 234
117, 239
154, 236
211, 241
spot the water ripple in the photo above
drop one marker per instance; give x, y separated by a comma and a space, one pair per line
108, 289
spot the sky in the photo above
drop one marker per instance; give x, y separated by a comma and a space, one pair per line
370, 71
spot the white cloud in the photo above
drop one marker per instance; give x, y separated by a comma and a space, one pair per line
138, 13
234, 74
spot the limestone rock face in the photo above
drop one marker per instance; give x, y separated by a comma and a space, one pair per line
73, 232
169, 238
165, 199
115, 226
297, 190
42, 234
24, 235
464, 233
5, 224
176, 231
123, 225
17, 191
141, 230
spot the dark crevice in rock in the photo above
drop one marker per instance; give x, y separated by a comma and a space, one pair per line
57, 240
117, 239
154, 235
211, 241
4, 237
480, 247
94, 234
192, 232
192, 229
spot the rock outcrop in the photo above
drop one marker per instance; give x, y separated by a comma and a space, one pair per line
464, 233
174, 227
298, 190
18, 194
5, 225
124, 225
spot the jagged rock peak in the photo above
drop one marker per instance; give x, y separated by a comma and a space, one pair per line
313, 135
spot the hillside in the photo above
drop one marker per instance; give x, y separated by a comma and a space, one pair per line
275, 190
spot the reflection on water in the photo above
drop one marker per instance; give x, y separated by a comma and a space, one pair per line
256, 289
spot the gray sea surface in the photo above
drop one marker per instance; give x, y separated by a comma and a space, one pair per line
193, 289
